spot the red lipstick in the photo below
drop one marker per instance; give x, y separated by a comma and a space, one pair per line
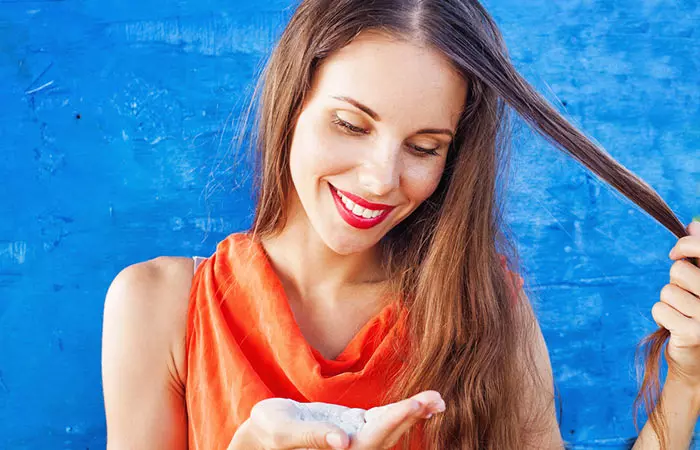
362, 202
355, 220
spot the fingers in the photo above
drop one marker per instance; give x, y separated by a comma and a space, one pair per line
383, 420
277, 424
694, 227
684, 330
681, 300
685, 272
386, 424
688, 246
686, 276
393, 437
428, 397
307, 435
431, 404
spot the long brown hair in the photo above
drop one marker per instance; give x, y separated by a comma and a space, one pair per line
444, 258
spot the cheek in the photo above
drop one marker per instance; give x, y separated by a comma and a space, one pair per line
317, 151
305, 150
421, 180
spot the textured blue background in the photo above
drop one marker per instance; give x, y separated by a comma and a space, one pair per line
115, 119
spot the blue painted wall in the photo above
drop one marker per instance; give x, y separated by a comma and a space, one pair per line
115, 119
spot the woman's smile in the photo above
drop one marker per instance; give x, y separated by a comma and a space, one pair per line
358, 212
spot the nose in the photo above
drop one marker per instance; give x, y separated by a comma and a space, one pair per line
381, 172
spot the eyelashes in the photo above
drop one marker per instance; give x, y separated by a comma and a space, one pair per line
348, 126
351, 129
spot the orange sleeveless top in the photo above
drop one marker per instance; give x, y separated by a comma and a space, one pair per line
244, 345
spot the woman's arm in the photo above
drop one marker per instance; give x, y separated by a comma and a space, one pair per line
143, 355
681, 410
539, 409
679, 312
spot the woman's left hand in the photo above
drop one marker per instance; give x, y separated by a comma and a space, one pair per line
679, 310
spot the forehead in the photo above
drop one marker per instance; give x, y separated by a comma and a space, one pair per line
399, 80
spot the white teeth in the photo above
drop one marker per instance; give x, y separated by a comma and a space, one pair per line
359, 210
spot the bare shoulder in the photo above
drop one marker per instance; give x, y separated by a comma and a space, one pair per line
169, 274
152, 297
143, 355
150, 274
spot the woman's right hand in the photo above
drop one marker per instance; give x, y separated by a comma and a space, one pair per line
281, 424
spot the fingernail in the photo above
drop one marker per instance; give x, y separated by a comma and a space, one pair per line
439, 406
334, 440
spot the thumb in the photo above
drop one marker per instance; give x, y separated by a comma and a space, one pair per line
314, 435
694, 227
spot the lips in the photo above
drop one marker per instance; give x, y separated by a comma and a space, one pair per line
362, 202
365, 207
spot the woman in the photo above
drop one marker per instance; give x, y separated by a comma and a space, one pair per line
373, 274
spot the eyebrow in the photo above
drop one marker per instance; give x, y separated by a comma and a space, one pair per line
367, 110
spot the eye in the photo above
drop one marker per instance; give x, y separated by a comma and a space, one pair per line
348, 127
425, 151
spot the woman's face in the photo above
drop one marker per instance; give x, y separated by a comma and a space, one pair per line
371, 140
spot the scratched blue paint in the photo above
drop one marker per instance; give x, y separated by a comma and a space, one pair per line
115, 119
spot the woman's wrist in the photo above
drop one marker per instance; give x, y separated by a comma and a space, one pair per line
680, 408
677, 389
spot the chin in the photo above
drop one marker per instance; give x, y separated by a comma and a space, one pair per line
348, 242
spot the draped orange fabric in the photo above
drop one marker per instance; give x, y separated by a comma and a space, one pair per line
244, 345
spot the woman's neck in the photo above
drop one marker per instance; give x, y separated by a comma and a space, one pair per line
304, 262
